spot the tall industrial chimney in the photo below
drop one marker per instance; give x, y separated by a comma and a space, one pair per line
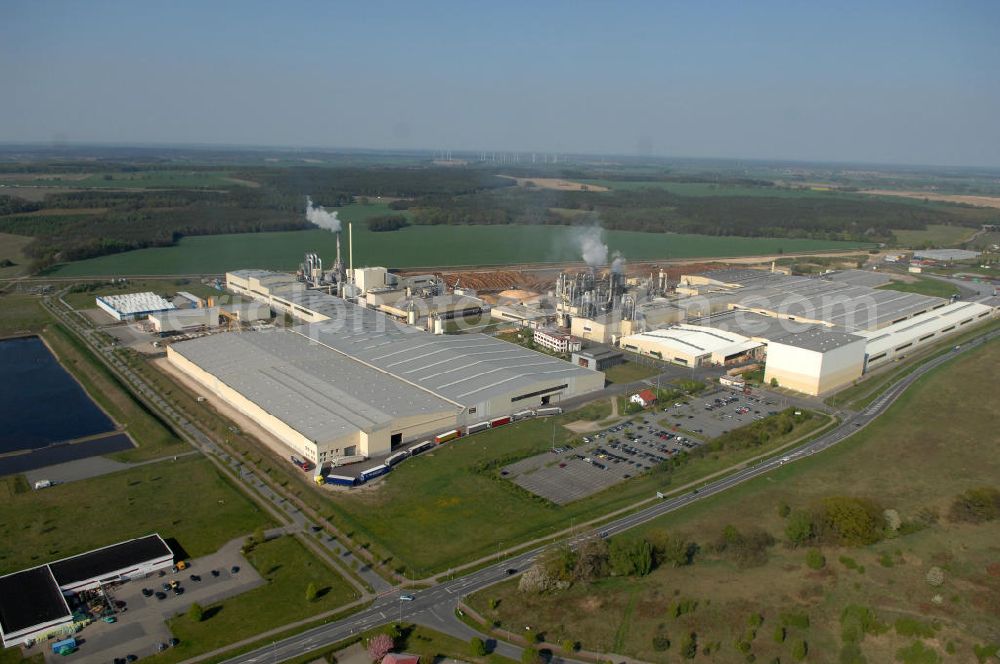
350, 248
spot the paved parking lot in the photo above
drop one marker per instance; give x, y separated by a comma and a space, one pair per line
634, 446
714, 413
141, 624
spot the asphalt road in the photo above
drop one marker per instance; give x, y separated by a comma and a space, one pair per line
432, 605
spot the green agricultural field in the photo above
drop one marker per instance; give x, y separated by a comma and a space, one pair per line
911, 460
444, 507
923, 286
289, 568
137, 180
937, 235
709, 189
421, 246
185, 499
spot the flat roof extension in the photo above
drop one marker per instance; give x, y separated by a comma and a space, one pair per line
28, 598
110, 559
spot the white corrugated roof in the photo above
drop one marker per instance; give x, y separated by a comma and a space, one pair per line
696, 340
929, 323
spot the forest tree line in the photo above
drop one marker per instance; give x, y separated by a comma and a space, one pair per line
432, 195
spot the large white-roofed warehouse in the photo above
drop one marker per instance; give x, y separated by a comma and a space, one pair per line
693, 345
358, 383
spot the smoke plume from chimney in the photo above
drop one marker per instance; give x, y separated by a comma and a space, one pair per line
592, 247
319, 216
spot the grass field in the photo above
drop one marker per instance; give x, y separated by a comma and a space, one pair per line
938, 235
185, 499
710, 189
140, 180
908, 460
437, 511
153, 438
12, 249
21, 314
420, 246
923, 286
14, 656
289, 568
629, 372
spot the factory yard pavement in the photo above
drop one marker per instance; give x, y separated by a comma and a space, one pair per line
142, 625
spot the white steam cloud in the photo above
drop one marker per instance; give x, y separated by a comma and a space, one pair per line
592, 247
618, 263
318, 215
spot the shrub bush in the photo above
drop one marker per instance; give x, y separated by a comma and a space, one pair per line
815, 559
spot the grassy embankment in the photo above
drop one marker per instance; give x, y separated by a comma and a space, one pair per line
153, 437
911, 460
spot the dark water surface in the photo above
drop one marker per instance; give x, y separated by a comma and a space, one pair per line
40, 403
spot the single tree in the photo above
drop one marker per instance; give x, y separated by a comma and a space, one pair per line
380, 646
530, 655
477, 647
311, 592
196, 613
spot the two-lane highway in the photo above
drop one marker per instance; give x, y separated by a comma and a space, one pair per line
444, 596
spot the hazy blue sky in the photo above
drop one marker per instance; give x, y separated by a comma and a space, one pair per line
907, 82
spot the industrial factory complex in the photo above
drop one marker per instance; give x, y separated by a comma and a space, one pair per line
351, 381
365, 367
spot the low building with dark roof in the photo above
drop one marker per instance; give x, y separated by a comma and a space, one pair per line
33, 602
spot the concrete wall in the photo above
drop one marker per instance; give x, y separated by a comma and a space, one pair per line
592, 330
502, 404
296, 443
663, 351
813, 372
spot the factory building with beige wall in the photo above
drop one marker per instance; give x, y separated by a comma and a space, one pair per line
817, 334
351, 381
